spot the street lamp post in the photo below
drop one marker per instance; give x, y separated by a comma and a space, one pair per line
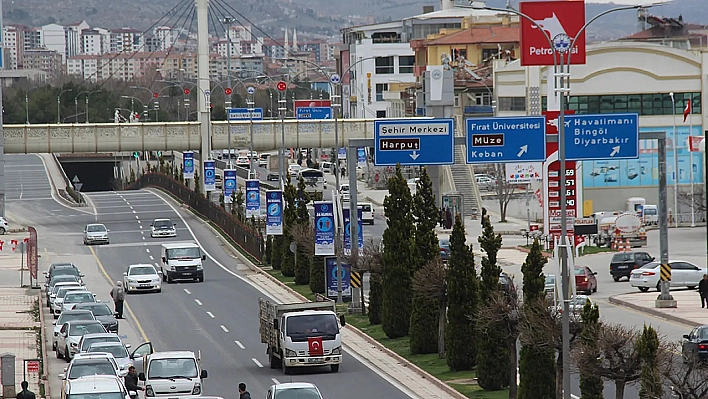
563, 75
59, 104
27, 108
76, 104
676, 171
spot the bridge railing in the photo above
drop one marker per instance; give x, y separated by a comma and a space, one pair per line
247, 238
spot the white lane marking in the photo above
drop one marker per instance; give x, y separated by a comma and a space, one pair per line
131, 207
380, 373
142, 232
276, 382
256, 362
188, 291
147, 250
240, 345
156, 265
136, 217
134, 211
198, 302
211, 315
144, 238
151, 258
224, 328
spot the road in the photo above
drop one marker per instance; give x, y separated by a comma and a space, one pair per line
218, 317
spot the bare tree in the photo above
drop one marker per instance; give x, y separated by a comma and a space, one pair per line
698, 199
686, 377
304, 236
431, 282
369, 259
504, 190
619, 359
542, 327
503, 312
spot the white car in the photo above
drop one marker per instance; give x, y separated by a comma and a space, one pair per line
367, 212
4, 227
69, 315
163, 228
117, 350
70, 334
72, 298
97, 386
142, 277
53, 293
85, 364
95, 233
344, 191
243, 162
58, 302
683, 274
294, 169
299, 390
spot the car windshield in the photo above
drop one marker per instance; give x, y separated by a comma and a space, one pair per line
90, 341
183, 253
366, 208
56, 288
79, 297
66, 278
63, 291
118, 351
104, 395
74, 317
345, 188
163, 224
172, 368
298, 393
445, 244
550, 279
622, 257
299, 328
650, 211
141, 270
93, 368
95, 228
83, 329
102, 310
651, 265
64, 271
579, 301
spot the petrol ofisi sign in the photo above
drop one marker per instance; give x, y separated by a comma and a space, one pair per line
560, 21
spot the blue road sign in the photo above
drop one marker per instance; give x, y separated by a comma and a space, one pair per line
314, 113
242, 114
209, 175
512, 139
603, 136
409, 142
188, 164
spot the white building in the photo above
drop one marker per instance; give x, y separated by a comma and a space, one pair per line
73, 38
13, 40
53, 38
166, 37
92, 42
126, 40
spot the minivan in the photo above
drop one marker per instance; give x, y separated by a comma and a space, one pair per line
367, 212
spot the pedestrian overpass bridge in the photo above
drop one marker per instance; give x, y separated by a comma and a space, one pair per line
181, 136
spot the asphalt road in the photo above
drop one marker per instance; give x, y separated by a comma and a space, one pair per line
218, 317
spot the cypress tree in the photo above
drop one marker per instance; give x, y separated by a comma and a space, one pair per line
591, 385
276, 256
302, 268
493, 362
424, 315
537, 378
460, 339
375, 298
399, 258
648, 348
317, 275
269, 250
287, 266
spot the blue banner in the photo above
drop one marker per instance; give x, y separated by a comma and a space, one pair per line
188, 164
324, 228
347, 230
361, 157
274, 217
230, 184
331, 274
342, 153
253, 198
209, 175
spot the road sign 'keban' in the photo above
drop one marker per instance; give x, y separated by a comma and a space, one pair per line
514, 139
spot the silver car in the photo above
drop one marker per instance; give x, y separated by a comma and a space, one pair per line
58, 302
95, 234
70, 334
53, 292
72, 298
142, 277
69, 315
117, 349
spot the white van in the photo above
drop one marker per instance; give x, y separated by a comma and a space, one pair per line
367, 212
651, 215
327, 167
176, 373
182, 261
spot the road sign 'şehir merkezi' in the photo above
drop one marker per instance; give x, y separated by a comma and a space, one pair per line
512, 139
411, 142
602, 136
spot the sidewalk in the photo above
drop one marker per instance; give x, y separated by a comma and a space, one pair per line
688, 310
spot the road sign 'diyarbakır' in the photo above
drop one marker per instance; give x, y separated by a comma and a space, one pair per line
602, 136
409, 142
512, 139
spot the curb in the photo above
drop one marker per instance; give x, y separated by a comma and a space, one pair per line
620, 302
526, 250
44, 379
406, 363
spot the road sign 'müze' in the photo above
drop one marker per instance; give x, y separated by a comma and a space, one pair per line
511, 139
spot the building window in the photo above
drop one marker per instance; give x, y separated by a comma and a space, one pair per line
384, 65
380, 88
642, 104
512, 103
488, 53
457, 100
405, 63
459, 52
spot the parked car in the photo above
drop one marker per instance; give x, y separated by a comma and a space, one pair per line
683, 274
444, 249
695, 344
142, 277
102, 313
4, 227
97, 386
550, 285
95, 233
58, 301
623, 263
87, 340
486, 183
585, 280
76, 297
70, 334
117, 349
84, 365
69, 315
53, 292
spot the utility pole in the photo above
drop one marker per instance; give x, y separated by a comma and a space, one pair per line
228, 21
203, 100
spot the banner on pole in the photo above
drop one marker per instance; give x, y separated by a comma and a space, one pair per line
324, 228
274, 209
230, 184
188, 164
331, 274
347, 230
253, 198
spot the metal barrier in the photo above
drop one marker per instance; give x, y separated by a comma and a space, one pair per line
245, 237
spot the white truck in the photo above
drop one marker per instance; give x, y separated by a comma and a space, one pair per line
182, 261
171, 374
301, 334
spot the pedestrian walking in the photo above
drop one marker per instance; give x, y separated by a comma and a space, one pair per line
441, 217
25, 393
131, 382
118, 296
448, 219
703, 291
242, 392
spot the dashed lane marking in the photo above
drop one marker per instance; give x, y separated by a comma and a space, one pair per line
257, 362
224, 328
240, 345
198, 302
211, 315
188, 291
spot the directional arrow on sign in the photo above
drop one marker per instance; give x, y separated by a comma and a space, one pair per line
415, 155
615, 151
75, 179
524, 149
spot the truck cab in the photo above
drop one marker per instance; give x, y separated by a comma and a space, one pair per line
175, 373
182, 261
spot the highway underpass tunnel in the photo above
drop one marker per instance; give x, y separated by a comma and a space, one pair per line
91, 176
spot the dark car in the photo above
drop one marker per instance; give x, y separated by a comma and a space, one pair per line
54, 269
102, 313
64, 270
623, 263
585, 280
695, 344
444, 249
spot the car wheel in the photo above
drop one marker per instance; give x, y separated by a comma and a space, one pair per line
2, 231
691, 287
643, 289
335, 368
658, 286
59, 354
54, 346
595, 289
158, 290
616, 278
169, 280
164, 276
67, 355
201, 279
273, 361
286, 369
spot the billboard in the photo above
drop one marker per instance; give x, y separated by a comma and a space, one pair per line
331, 273
560, 21
253, 198
274, 215
324, 228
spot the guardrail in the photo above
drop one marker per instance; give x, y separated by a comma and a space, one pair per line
245, 237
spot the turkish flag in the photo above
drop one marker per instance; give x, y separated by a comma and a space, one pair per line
314, 346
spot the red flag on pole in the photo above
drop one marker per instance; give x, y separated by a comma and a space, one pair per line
314, 346
687, 110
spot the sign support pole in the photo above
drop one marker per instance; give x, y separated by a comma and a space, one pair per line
665, 300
